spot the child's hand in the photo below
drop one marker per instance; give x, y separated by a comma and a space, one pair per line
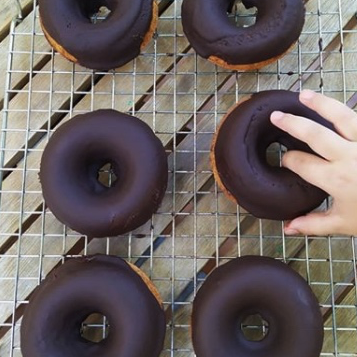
335, 171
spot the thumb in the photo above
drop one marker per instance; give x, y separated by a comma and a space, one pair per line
317, 223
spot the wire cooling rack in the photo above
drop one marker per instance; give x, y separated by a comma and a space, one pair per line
183, 98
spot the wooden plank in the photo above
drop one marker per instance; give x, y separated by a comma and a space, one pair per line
33, 199
9, 11
329, 259
21, 57
341, 327
293, 247
252, 245
329, 63
30, 265
345, 320
269, 248
164, 253
104, 101
125, 241
345, 317
17, 121
33, 159
82, 82
22, 47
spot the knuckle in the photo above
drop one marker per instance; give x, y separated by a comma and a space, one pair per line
351, 117
353, 151
308, 131
354, 163
353, 133
342, 178
314, 131
290, 123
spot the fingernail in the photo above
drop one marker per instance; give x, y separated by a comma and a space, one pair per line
291, 231
306, 95
276, 116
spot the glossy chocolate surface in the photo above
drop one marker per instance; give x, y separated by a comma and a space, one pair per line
240, 158
278, 25
69, 173
101, 46
82, 286
256, 285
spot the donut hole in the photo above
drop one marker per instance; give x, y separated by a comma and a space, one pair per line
274, 154
254, 328
101, 15
96, 11
95, 328
241, 16
106, 175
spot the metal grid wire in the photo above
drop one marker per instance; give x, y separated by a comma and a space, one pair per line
183, 98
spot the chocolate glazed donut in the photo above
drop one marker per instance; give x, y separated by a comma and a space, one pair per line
73, 157
249, 286
97, 284
102, 46
207, 27
240, 167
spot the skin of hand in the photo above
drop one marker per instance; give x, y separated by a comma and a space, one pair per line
335, 171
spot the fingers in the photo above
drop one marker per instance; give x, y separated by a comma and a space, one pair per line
309, 167
343, 118
317, 223
322, 140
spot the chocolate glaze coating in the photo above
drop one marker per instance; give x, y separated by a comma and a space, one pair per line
278, 25
101, 46
240, 158
69, 173
256, 285
97, 284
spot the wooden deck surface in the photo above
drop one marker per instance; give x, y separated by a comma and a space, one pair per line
183, 98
